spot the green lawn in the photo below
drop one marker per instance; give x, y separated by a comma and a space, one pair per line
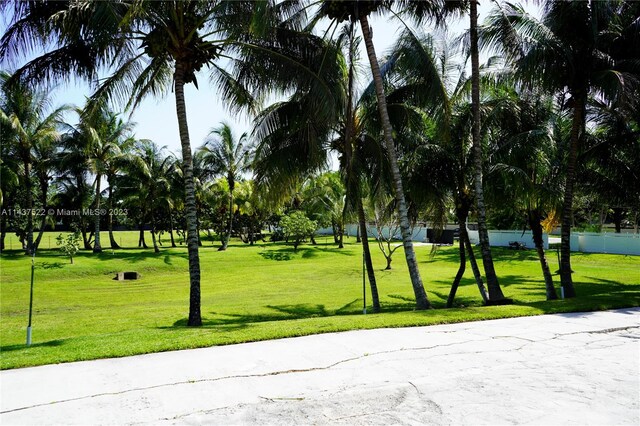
260, 292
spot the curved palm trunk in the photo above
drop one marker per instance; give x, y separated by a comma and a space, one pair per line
536, 231
462, 213
421, 296
153, 234
97, 248
225, 242
112, 240
29, 201
474, 266
173, 242
459, 274
44, 188
495, 292
141, 240
195, 318
362, 221
567, 207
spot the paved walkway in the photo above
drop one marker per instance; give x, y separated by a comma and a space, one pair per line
577, 369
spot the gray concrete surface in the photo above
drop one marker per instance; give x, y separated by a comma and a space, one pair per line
581, 368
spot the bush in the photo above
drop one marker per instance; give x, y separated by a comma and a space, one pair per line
297, 227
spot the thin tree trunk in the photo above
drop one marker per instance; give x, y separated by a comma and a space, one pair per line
474, 265
97, 248
141, 240
29, 201
362, 221
495, 292
421, 296
44, 188
3, 231
536, 231
461, 268
173, 242
195, 318
225, 242
567, 207
153, 234
112, 240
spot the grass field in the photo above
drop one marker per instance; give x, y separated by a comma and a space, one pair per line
260, 292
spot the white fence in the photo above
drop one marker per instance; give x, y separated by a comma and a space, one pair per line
586, 242
607, 242
419, 233
503, 238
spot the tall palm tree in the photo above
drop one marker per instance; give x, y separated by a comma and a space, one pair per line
359, 11
524, 169
104, 133
227, 156
578, 48
153, 46
495, 292
426, 75
28, 119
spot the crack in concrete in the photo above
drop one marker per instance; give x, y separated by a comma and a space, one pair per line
322, 368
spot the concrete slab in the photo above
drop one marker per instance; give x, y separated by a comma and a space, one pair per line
581, 368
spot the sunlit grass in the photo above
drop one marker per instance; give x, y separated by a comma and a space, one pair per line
260, 292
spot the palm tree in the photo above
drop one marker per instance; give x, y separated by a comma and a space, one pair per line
359, 11
495, 292
30, 120
426, 75
578, 48
153, 46
524, 166
104, 134
226, 156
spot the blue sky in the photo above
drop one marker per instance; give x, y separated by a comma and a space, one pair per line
156, 118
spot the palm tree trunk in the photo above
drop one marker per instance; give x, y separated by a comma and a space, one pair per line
195, 318
362, 221
112, 240
474, 264
141, 240
173, 242
29, 202
3, 231
567, 207
225, 242
153, 234
461, 268
536, 231
97, 248
421, 296
44, 188
495, 292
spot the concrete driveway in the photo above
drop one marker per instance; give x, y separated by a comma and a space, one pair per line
581, 368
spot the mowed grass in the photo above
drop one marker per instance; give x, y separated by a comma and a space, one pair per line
260, 292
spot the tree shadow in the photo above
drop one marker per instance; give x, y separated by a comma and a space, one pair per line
280, 313
50, 265
288, 253
51, 343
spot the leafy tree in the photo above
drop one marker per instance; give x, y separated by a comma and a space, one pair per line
297, 227
69, 245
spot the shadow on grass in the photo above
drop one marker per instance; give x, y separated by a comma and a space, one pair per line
280, 313
288, 253
51, 343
